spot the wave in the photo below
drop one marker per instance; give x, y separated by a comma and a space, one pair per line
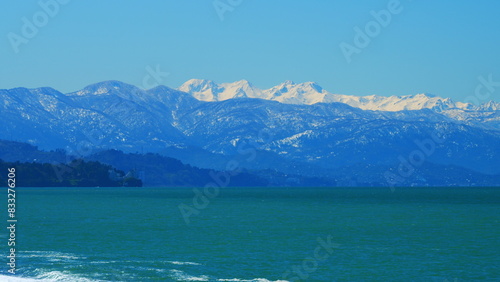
44, 272
49, 254
57, 276
183, 263
183, 276
7, 278
51, 276
251, 280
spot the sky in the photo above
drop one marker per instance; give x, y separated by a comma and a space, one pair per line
387, 47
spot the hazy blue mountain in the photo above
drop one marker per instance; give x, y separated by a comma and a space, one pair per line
257, 132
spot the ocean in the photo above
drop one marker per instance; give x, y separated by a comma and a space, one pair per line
256, 234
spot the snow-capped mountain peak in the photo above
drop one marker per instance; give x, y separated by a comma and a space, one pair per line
489, 106
309, 93
197, 85
105, 88
292, 93
288, 82
207, 90
201, 89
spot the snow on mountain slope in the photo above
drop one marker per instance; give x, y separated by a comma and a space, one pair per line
311, 139
287, 92
489, 106
310, 93
207, 90
398, 103
240, 89
201, 89
290, 93
485, 116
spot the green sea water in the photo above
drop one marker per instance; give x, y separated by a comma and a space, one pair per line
257, 234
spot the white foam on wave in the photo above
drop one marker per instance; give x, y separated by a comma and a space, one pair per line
252, 280
183, 263
49, 254
58, 276
7, 278
183, 276
104, 261
50, 276
62, 276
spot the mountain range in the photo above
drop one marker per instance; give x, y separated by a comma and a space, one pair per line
309, 93
298, 129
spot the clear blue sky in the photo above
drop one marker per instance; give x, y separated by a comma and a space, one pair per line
438, 47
